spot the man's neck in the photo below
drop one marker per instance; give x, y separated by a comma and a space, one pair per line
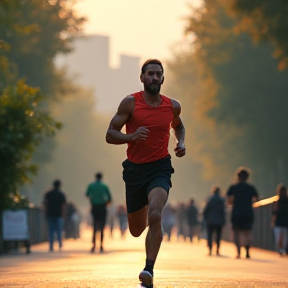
153, 100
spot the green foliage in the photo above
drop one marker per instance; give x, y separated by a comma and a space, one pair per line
35, 31
16, 201
267, 21
32, 33
23, 124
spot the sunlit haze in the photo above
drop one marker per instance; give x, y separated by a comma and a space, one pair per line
143, 28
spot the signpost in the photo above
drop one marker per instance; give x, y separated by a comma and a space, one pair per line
15, 227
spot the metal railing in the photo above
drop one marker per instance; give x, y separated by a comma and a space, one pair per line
37, 226
263, 236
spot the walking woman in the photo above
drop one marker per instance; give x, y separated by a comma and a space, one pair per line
280, 219
241, 196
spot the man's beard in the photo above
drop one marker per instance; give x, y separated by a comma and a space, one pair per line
152, 88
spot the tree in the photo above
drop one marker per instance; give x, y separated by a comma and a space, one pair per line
22, 127
35, 31
32, 32
267, 21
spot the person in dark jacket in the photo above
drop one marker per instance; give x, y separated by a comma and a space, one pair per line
54, 205
280, 219
214, 217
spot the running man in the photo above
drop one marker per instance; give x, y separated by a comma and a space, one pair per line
148, 116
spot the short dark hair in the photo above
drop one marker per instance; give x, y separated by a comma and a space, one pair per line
98, 175
151, 61
56, 183
243, 172
215, 190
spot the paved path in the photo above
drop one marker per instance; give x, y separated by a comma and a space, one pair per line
180, 264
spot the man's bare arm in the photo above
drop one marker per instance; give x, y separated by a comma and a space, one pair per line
114, 134
179, 129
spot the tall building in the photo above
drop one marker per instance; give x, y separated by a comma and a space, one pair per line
88, 63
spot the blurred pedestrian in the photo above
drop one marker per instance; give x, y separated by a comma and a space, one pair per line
111, 217
192, 219
123, 220
214, 217
181, 221
54, 204
99, 196
280, 219
168, 219
241, 196
72, 220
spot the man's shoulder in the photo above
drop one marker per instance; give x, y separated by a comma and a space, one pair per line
175, 103
98, 184
131, 97
127, 104
104, 184
249, 186
54, 193
231, 189
58, 192
232, 186
49, 192
62, 193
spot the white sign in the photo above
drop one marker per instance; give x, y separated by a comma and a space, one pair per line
15, 225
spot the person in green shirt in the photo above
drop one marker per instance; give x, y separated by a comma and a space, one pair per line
100, 196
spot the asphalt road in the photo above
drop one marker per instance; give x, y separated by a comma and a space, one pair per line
180, 264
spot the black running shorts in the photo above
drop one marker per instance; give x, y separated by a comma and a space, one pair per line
140, 179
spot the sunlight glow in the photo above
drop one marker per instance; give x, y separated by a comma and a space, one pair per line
143, 28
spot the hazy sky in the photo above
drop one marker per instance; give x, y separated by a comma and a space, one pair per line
144, 28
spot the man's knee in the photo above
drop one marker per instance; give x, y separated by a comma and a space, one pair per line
136, 231
154, 217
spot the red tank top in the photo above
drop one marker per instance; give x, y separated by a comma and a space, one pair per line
158, 121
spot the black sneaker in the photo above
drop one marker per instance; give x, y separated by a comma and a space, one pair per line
146, 279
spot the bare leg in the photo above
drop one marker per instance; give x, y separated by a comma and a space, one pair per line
94, 234
137, 221
247, 241
237, 236
137, 224
101, 239
156, 201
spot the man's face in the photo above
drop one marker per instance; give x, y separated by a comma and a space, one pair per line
152, 79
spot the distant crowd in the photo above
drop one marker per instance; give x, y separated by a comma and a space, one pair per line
185, 220
188, 221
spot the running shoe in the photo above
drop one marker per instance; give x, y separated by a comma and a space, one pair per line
146, 279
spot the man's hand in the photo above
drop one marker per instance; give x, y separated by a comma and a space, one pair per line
140, 134
180, 150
